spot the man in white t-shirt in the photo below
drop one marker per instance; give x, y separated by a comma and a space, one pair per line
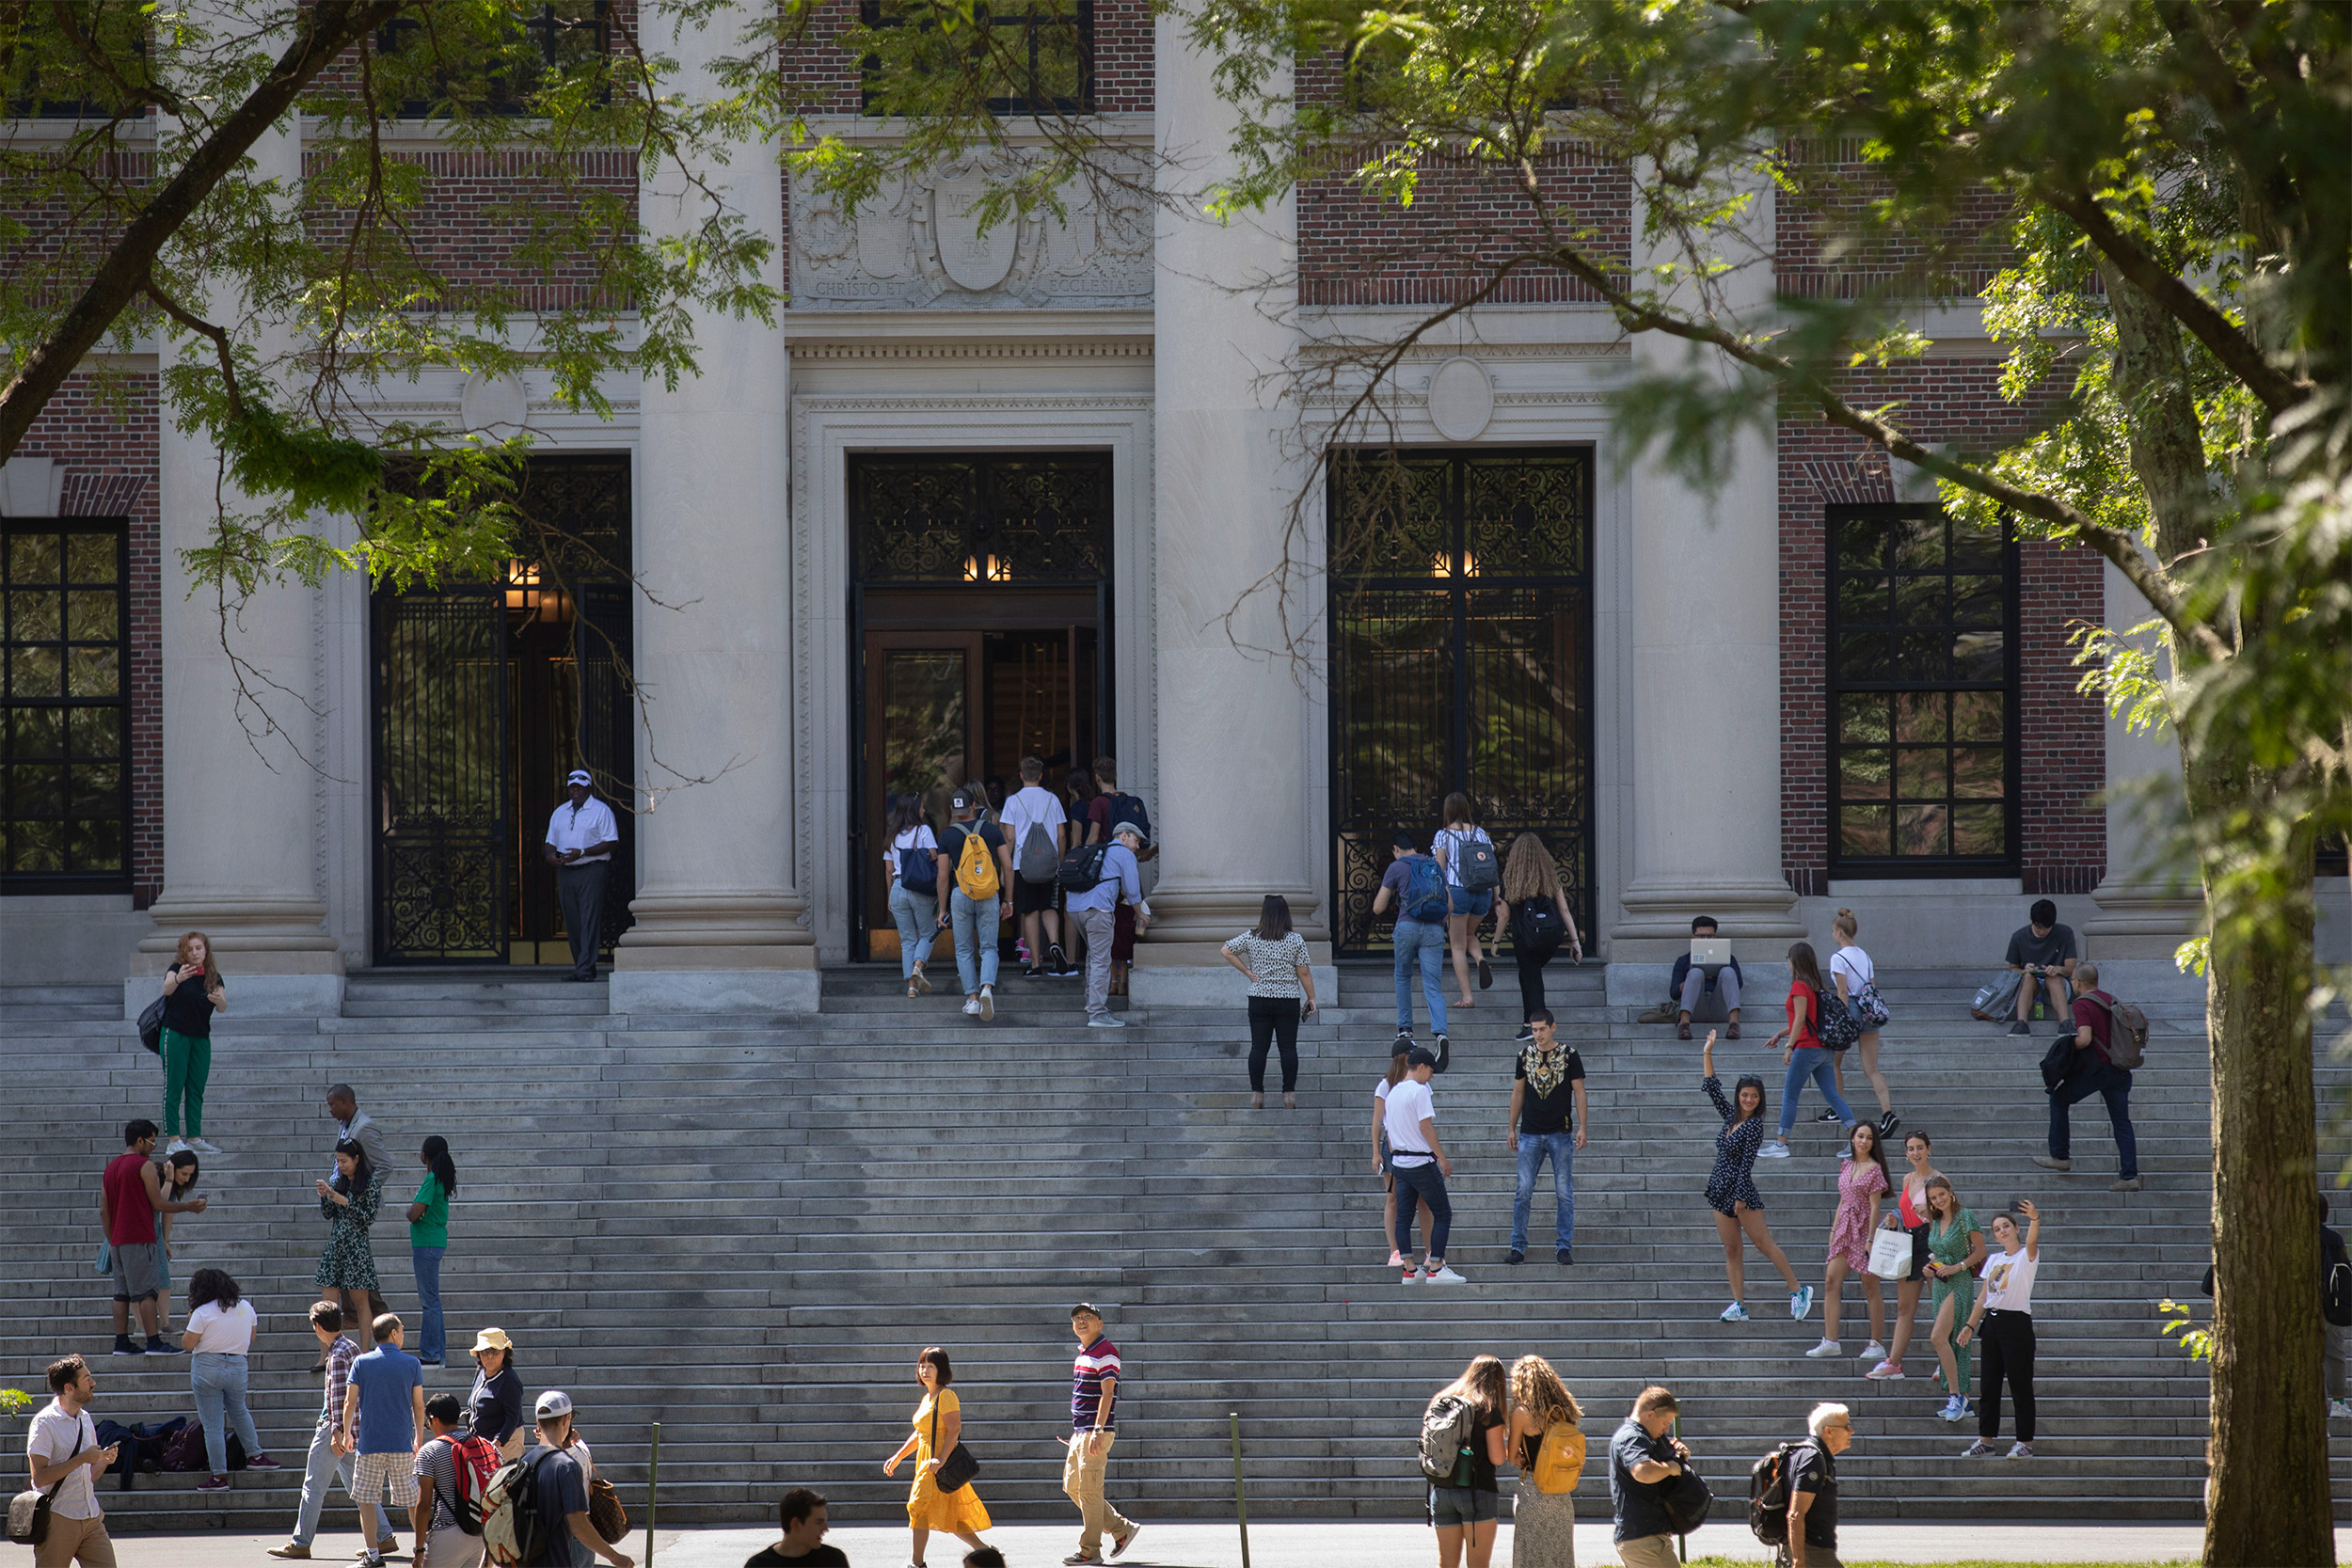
581, 836
1033, 805
63, 1448
1410, 1119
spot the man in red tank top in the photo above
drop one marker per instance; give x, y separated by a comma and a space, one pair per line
130, 1195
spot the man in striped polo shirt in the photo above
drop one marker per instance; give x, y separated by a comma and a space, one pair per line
1093, 1388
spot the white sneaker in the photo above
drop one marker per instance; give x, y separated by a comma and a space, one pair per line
1445, 1275
2025, 1451
971, 1006
2338, 1410
988, 1004
174, 1147
1826, 1349
1774, 1151
1107, 1022
1735, 1313
203, 1146
1873, 1351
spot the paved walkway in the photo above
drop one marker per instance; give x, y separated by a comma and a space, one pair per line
1352, 1543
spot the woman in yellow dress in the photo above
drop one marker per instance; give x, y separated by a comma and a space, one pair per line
960, 1513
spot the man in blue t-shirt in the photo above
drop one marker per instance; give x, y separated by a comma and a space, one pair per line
559, 1478
1420, 943
384, 1410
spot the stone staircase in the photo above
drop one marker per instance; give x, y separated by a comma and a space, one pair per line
744, 1228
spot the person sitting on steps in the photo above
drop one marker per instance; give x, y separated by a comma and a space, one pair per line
1690, 982
2043, 952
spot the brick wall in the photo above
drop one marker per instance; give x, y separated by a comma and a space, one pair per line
2062, 736
1826, 247
108, 449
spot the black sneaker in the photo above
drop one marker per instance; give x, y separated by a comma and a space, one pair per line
2021, 1027
1516, 1257
1404, 1041
1887, 1124
124, 1345
1030, 972
1527, 1032
1054, 964
1486, 975
1565, 1255
1827, 1116
1445, 1053
156, 1346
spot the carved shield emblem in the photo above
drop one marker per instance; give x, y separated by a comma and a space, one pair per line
971, 258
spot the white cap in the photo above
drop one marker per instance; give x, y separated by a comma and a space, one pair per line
580, 776
552, 1403
1134, 830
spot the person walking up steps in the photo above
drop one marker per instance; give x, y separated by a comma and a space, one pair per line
1804, 1056
1273, 958
974, 896
428, 1241
2090, 1072
1121, 878
130, 1195
1105, 813
1416, 887
1035, 827
219, 1339
1093, 1428
1861, 1180
911, 865
1467, 857
193, 993
1856, 979
938, 1428
1534, 910
330, 1442
1910, 1214
1955, 1249
1547, 1121
1731, 1189
2003, 1320
1384, 1157
66, 1461
1548, 1443
1465, 1503
1419, 1159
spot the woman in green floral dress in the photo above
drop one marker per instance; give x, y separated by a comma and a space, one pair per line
1955, 1251
348, 1267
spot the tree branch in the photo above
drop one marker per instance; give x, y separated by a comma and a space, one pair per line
202, 329
2239, 354
154, 92
323, 31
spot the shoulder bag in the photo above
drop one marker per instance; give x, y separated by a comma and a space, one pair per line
956, 1470
151, 1026
28, 1511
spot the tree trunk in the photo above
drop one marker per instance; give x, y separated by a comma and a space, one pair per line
2268, 1498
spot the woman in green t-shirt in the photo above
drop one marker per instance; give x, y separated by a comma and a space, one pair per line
428, 1238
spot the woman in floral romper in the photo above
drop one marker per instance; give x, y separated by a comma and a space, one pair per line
1861, 1183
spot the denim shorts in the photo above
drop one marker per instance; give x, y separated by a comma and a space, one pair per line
1463, 1505
1478, 905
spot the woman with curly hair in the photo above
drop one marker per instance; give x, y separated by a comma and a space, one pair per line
220, 1336
1544, 1414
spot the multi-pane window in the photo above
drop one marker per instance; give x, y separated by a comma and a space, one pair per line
1035, 58
47, 74
1922, 658
547, 39
65, 799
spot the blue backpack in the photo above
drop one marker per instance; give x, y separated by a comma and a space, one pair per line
1424, 895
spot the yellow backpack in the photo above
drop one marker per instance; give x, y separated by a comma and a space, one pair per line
1560, 1463
976, 868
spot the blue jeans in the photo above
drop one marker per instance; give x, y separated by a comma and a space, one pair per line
1819, 1065
1534, 1148
976, 927
918, 914
1428, 1184
219, 1383
433, 1340
1423, 943
324, 1467
2112, 1084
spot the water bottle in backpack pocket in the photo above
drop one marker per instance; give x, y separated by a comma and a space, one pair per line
1446, 1429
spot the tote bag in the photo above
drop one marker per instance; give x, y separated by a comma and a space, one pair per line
1890, 1253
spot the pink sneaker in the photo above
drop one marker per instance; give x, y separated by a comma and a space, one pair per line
1885, 1371
1396, 1259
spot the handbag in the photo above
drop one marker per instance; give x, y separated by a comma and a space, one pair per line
151, 1026
606, 1516
1890, 1253
956, 1470
28, 1511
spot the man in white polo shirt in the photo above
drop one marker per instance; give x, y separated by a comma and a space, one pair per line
581, 836
66, 1463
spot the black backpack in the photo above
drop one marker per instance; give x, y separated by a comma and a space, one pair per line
1768, 1494
1127, 808
918, 870
1082, 868
1536, 924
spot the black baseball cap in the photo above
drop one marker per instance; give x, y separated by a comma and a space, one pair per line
1421, 1055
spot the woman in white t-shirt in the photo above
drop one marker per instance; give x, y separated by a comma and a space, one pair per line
1381, 1165
913, 864
1850, 971
2003, 1322
219, 1332
1466, 909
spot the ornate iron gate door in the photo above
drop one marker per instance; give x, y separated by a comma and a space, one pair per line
1461, 627
443, 762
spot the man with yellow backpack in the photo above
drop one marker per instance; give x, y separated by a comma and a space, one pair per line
975, 894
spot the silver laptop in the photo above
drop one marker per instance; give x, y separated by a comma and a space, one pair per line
1710, 953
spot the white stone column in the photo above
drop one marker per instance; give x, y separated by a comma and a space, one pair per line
2150, 901
1705, 590
241, 755
719, 923
1235, 804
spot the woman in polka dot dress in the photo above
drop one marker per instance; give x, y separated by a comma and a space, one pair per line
1731, 1189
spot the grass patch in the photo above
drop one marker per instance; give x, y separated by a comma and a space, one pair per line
1713, 1562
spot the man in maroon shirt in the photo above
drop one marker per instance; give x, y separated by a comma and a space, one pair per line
130, 1195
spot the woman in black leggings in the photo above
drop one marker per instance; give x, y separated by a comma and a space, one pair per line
2003, 1320
1536, 911
1273, 958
